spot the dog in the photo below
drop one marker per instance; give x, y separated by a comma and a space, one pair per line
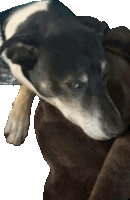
61, 58
51, 29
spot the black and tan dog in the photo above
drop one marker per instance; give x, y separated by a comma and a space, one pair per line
60, 57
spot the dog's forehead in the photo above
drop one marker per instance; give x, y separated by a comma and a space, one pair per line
71, 53
74, 65
75, 40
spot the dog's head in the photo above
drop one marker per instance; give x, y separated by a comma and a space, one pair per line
66, 66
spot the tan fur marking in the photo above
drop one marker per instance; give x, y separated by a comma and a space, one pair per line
19, 118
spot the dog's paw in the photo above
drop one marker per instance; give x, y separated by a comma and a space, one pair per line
16, 129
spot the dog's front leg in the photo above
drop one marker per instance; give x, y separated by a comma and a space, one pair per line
19, 118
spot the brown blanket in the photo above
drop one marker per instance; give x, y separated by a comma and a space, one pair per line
113, 182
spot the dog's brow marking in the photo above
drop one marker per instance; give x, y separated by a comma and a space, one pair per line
84, 78
20, 44
43, 85
103, 65
21, 15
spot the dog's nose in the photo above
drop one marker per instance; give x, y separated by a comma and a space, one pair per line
6, 135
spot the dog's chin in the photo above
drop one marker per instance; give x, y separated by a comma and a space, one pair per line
100, 135
97, 135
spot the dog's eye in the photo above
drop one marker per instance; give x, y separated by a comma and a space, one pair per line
104, 68
75, 85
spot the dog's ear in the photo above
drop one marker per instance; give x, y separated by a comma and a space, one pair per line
25, 38
21, 50
118, 40
100, 27
22, 54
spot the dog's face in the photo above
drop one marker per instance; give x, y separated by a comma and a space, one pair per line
66, 68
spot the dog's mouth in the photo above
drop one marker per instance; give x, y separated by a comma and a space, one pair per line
99, 125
